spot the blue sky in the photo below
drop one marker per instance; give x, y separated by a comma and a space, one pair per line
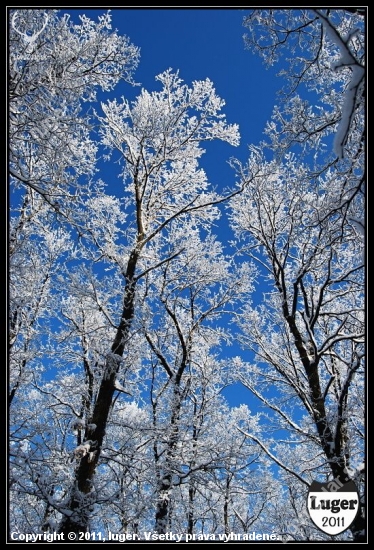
202, 43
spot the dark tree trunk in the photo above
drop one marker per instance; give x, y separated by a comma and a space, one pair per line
331, 438
82, 494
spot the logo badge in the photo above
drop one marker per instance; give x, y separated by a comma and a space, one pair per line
333, 505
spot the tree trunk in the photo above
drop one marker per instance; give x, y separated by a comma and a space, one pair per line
82, 494
330, 438
165, 485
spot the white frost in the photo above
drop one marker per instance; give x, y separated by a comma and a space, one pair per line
118, 386
346, 60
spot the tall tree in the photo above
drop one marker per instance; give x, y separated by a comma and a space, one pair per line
308, 335
183, 327
158, 137
303, 216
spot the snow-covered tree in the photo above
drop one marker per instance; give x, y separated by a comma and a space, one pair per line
183, 327
56, 69
158, 136
325, 54
308, 332
302, 218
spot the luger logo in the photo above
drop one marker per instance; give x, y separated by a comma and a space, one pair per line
333, 505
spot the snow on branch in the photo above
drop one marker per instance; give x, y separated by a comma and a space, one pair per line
273, 457
357, 74
85, 449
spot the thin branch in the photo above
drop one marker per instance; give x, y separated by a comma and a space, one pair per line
270, 455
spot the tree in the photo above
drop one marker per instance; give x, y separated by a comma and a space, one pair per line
308, 334
159, 143
327, 49
55, 70
52, 148
302, 216
182, 328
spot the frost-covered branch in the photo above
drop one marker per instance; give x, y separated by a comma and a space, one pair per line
273, 457
351, 96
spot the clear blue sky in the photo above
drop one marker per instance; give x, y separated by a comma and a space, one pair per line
202, 43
